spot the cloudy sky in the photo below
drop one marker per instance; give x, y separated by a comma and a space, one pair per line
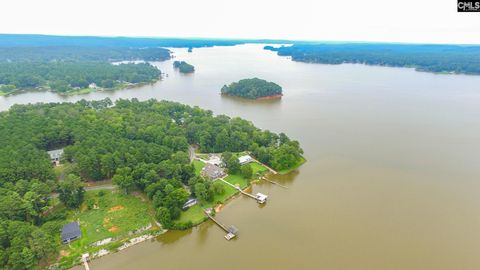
429, 21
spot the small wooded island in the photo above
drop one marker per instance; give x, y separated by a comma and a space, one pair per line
183, 67
253, 89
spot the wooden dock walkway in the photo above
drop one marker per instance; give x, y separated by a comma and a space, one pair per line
232, 231
238, 188
260, 198
273, 182
85, 261
223, 227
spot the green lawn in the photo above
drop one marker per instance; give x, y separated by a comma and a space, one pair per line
116, 216
198, 166
194, 214
258, 168
221, 198
236, 179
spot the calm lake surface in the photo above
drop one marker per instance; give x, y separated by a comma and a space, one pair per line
392, 179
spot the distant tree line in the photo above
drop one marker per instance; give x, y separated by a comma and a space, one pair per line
183, 67
432, 58
139, 145
83, 54
252, 88
16, 40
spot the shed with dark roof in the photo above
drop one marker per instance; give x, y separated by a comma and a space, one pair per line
70, 232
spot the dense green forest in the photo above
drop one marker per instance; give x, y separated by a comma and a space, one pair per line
432, 58
183, 67
252, 88
140, 145
66, 69
64, 77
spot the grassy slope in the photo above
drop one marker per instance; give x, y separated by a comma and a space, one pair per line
198, 166
118, 214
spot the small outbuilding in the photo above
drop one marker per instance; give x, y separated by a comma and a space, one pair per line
70, 232
191, 202
55, 156
245, 159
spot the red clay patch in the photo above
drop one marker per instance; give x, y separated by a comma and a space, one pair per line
116, 208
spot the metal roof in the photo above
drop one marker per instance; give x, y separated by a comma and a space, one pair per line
55, 153
70, 231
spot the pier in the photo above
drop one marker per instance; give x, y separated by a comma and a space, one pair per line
85, 261
231, 231
273, 182
259, 197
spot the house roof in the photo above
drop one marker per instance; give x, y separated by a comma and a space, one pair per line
213, 171
55, 153
244, 159
71, 231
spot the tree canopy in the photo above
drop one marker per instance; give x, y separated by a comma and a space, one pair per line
252, 89
183, 67
140, 145
68, 76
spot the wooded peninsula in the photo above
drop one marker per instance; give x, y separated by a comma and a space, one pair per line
254, 88
462, 59
142, 146
76, 69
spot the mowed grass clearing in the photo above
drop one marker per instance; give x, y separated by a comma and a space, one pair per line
198, 166
114, 215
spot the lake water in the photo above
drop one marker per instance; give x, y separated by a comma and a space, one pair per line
392, 179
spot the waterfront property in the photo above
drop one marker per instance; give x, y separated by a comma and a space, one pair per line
70, 232
212, 171
55, 156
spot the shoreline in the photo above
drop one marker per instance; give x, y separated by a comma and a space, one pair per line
130, 242
83, 91
271, 97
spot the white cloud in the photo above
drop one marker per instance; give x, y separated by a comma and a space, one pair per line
366, 20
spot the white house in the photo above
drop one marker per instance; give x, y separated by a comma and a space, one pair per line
245, 159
